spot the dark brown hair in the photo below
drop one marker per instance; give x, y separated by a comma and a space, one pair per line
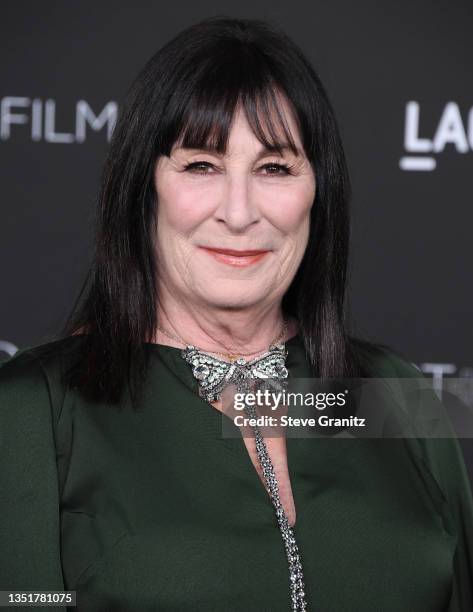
189, 91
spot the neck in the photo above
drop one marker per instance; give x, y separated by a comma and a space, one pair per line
214, 330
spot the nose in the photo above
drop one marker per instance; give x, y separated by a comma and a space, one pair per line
237, 208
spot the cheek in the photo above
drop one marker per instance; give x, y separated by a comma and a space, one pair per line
182, 207
289, 208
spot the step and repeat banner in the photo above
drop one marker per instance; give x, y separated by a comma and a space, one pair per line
399, 77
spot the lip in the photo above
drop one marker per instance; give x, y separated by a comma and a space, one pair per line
238, 259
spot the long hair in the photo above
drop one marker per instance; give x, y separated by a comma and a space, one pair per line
188, 92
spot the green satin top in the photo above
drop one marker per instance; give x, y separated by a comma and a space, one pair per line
155, 510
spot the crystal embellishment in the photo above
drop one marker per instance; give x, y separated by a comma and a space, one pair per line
214, 374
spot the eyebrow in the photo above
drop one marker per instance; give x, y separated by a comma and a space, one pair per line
262, 152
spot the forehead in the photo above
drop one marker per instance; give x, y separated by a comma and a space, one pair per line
242, 139
269, 120
241, 133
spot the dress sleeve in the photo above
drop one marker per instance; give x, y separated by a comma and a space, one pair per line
29, 519
444, 459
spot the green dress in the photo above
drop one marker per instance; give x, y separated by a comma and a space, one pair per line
155, 510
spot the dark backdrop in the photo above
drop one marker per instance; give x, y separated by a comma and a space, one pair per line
399, 77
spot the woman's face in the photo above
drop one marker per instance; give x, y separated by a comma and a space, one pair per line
243, 200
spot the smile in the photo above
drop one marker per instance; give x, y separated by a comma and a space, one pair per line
238, 259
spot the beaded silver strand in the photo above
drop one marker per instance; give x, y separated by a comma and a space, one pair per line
213, 375
296, 574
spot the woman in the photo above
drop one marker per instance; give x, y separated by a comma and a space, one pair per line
222, 232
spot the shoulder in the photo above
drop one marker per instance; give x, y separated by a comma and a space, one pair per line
439, 455
33, 376
46, 356
382, 361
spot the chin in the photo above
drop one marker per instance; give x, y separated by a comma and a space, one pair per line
229, 301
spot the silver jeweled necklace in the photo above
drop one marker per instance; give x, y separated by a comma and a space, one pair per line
213, 375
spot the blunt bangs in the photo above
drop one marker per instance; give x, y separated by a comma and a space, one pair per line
204, 103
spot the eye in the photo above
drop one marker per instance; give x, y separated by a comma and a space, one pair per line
276, 169
198, 167
273, 168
